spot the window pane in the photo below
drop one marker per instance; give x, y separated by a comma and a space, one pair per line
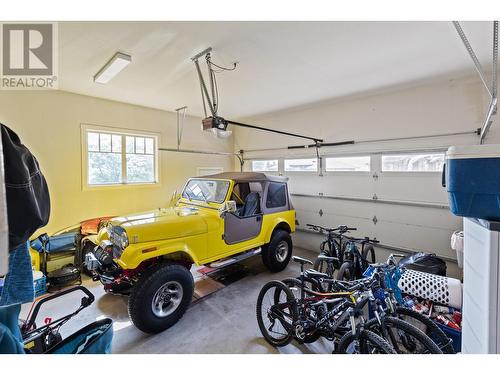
348, 164
139, 145
301, 165
413, 163
105, 142
130, 145
140, 168
150, 149
116, 143
93, 141
276, 195
265, 165
104, 168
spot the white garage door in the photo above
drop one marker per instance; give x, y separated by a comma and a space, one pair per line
397, 198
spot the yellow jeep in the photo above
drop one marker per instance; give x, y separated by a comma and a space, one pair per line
220, 218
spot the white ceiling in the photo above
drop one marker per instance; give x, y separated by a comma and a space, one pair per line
281, 64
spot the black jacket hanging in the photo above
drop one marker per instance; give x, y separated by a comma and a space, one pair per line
27, 193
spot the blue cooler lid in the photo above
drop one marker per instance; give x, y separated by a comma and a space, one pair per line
473, 152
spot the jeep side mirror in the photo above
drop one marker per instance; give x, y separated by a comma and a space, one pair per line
228, 206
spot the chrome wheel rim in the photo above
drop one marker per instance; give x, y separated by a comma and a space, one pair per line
282, 251
166, 299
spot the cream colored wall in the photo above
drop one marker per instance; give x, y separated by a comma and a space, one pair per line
49, 124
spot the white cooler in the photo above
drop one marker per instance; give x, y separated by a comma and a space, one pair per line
481, 287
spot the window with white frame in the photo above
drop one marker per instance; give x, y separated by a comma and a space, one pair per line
428, 162
265, 165
348, 164
301, 165
114, 158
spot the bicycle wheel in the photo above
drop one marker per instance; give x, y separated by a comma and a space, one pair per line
428, 327
367, 343
295, 285
324, 266
346, 272
404, 337
275, 318
369, 253
342, 251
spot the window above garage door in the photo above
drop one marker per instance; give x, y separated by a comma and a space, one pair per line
348, 164
428, 162
115, 157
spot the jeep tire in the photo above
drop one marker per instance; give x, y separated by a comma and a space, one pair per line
277, 253
160, 297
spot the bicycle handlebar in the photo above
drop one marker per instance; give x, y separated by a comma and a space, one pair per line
340, 228
362, 240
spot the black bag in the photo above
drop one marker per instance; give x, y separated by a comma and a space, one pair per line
424, 262
67, 275
27, 193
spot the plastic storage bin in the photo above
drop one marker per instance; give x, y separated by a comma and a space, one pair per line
473, 181
61, 242
39, 283
481, 311
453, 334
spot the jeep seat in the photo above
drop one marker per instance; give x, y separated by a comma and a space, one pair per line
252, 205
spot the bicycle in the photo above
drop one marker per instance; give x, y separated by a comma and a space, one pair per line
394, 308
282, 316
332, 247
356, 261
403, 336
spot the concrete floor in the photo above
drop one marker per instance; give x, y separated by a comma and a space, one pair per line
222, 322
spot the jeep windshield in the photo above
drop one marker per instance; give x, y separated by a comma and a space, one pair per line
214, 191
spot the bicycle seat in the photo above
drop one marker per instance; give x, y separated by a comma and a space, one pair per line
301, 260
315, 274
328, 259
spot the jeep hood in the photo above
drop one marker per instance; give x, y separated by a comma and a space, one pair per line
162, 224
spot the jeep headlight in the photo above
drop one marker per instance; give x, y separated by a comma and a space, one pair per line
124, 240
118, 236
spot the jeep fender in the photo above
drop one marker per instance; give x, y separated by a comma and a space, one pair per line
175, 251
277, 224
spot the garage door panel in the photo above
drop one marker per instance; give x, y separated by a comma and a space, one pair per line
411, 188
336, 185
333, 208
305, 184
347, 185
423, 238
339, 206
430, 217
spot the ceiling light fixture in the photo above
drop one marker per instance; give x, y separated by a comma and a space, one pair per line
114, 66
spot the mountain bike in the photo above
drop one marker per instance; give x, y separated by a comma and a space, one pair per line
403, 336
282, 316
356, 261
332, 247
